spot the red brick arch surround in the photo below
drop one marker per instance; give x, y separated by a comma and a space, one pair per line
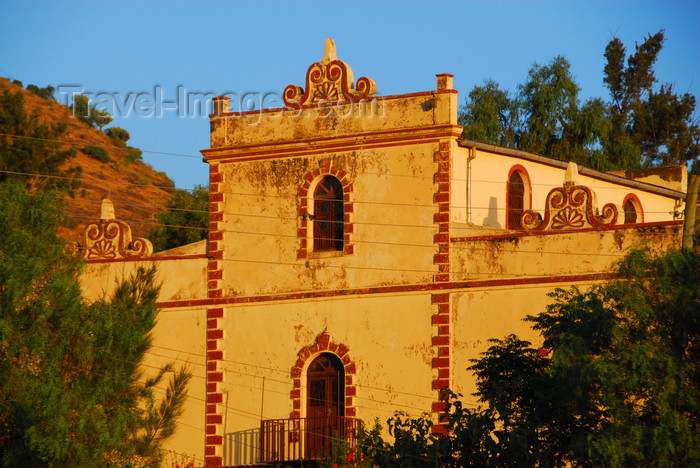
324, 344
325, 168
638, 206
527, 201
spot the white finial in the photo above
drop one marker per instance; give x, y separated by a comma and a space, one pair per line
329, 50
571, 175
107, 209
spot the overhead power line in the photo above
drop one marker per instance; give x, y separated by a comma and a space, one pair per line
612, 186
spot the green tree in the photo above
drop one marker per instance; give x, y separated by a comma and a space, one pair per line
185, 220
28, 146
46, 93
81, 108
545, 116
490, 115
642, 124
88, 113
650, 125
72, 392
119, 135
100, 117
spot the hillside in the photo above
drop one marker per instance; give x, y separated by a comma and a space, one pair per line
137, 190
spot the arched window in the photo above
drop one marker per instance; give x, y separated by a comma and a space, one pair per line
516, 201
630, 212
329, 216
633, 209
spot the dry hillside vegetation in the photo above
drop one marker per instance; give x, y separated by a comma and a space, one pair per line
137, 190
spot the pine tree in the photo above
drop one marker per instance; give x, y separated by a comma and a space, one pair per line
643, 124
72, 391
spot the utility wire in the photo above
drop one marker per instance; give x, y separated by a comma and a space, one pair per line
458, 245
413, 176
288, 382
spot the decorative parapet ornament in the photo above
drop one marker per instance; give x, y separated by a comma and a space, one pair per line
570, 207
330, 80
109, 239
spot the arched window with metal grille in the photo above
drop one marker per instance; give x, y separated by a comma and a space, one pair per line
329, 216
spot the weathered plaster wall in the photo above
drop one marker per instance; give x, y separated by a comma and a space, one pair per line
388, 338
673, 177
555, 253
392, 222
180, 279
384, 113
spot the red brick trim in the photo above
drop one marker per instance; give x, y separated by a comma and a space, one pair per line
442, 352
215, 333
441, 218
310, 180
441, 341
324, 344
424, 287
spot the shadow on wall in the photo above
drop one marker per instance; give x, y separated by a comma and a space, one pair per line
492, 219
242, 447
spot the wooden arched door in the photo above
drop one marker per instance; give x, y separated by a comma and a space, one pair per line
325, 403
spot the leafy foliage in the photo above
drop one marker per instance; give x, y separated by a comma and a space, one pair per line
81, 108
133, 154
414, 444
621, 388
100, 117
46, 93
490, 115
186, 219
88, 113
649, 126
118, 134
28, 146
72, 391
97, 152
642, 125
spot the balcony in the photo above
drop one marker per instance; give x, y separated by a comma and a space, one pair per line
290, 440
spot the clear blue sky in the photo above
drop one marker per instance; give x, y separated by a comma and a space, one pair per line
132, 47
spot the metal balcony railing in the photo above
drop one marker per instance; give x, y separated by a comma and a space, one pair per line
286, 440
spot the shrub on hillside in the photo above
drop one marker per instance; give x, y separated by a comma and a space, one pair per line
119, 135
97, 152
132, 155
167, 181
46, 93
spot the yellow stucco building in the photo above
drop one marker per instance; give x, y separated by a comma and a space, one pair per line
360, 254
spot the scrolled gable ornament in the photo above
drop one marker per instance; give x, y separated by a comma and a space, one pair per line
570, 207
329, 81
109, 239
